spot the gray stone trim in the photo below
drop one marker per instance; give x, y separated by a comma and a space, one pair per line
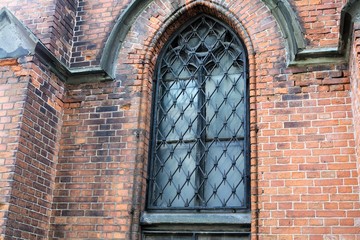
49, 60
16, 40
353, 8
318, 56
350, 14
281, 10
198, 218
119, 33
69, 76
289, 25
298, 54
197, 222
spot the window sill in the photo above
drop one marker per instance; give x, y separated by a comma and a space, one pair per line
197, 218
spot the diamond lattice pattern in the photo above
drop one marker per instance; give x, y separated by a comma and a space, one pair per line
199, 154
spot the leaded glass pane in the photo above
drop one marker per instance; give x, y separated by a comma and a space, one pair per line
225, 174
199, 137
178, 110
226, 106
175, 179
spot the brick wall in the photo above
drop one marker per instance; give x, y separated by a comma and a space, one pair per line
78, 153
307, 163
355, 87
31, 116
77, 31
13, 94
39, 20
320, 21
80, 41
52, 21
95, 20
62, 30
95, 180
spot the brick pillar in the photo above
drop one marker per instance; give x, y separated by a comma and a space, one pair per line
30, 116
13, 85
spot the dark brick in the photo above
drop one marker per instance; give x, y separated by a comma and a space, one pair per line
107, 109
296, 124
104, 133
72, 213
288, 97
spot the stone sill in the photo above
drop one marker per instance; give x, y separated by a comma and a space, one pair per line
197, 218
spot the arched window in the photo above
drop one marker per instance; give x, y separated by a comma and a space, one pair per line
200, 139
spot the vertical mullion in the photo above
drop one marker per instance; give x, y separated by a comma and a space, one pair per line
201, 134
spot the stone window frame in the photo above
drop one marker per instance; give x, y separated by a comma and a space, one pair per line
207, 222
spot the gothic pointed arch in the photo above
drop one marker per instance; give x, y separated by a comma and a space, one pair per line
199, 152
282, 11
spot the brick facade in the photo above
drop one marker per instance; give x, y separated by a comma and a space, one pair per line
354, 79
74, 153
12, 104
31, 119
320, 21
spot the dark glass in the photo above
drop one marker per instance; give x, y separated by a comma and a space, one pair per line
200, 127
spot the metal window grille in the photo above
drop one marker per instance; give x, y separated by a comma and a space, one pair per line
199, 153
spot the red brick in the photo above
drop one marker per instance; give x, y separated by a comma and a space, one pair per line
303, 121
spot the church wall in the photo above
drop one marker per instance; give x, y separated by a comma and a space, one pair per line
63, 29
31, 117
320, 21
13, 94
94, 22
52, 21
306, 157
36, 157
96, 171
79, 153
355, 88
39, 20
303, 151
76, 31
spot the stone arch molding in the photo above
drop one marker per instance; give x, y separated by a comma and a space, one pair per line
281, 10
289, 25
350, 15
353, 8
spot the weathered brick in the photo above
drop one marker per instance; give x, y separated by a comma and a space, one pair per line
76, 151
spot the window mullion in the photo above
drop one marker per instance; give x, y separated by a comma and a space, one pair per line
201, 136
